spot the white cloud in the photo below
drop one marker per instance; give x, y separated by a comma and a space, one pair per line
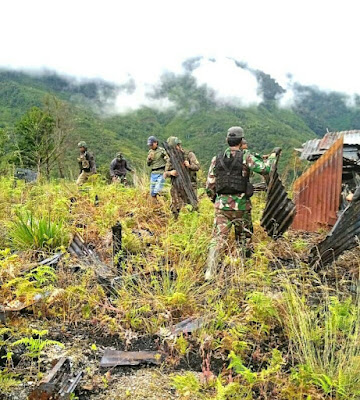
316, 41
233, 85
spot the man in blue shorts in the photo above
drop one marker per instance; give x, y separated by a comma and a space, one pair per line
156, 160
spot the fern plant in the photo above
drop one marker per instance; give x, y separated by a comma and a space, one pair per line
35, 346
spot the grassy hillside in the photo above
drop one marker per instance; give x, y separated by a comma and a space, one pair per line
271, 327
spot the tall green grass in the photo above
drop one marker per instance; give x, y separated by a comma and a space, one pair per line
325, 341
27, 232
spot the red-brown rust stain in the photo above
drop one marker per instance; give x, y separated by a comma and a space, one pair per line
317, 191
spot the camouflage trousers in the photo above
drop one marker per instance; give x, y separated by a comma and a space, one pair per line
83, 177
177, 202
224, 220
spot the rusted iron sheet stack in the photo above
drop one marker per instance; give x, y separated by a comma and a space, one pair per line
279, 211
317, 191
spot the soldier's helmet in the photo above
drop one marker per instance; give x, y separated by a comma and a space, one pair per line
172, 141
235, 132
82, 144
119, 156
151, 140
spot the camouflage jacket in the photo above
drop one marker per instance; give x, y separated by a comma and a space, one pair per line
193, 168
156, 159
87, 162
239, 202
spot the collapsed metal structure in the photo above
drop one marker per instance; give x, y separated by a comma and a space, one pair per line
59, 383
280, 210
321, 193
344, 236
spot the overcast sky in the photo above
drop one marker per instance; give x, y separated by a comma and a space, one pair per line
316, 41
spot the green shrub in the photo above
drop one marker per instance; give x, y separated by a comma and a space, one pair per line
36, 234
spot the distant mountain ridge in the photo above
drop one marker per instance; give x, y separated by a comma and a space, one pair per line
196, 116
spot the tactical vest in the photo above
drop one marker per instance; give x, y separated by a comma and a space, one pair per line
229, 174
84, 162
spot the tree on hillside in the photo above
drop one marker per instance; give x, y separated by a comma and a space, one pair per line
35, 140
6, 151
63, 126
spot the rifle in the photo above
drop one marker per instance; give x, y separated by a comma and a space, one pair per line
182, 182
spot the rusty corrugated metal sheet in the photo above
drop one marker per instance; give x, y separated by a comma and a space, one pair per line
344, 236
279, 211
112, 358
317, 191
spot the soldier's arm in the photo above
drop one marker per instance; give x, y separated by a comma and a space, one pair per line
258, 165
112, 167
211, 181
168, 168
194, 164
150, 157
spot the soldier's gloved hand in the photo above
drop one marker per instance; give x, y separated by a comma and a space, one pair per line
277, 150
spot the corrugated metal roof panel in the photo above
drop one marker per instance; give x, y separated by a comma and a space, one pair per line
314, 148
344, 236
352, 138
317, 191
279, 211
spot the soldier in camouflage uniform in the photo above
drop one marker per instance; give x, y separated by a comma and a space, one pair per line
86, 163
229, 188
191, 163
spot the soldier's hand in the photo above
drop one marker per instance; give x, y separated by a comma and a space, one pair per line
173, 173
277, 150
187, 164
114, 178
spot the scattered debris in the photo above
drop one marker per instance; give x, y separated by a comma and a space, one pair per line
343, 236
52, 261
79, 248
189, 325
113, 358
279, 211
182, 182
58, 384
105, 274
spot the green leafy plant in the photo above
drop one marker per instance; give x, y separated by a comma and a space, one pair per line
36, 345
186, 384
30, 233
